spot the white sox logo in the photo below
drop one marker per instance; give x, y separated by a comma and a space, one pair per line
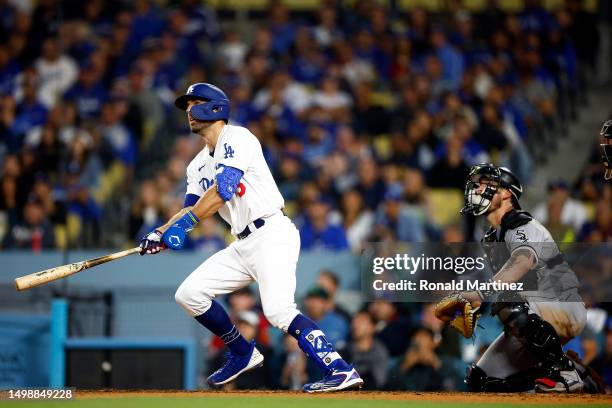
520, 234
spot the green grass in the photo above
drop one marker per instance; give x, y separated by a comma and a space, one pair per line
261, 402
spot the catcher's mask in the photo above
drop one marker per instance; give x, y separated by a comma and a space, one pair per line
482, 184
606, 148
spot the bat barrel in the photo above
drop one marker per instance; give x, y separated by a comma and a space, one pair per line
49, 275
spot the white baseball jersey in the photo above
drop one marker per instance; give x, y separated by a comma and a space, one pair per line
257, 195
268, 255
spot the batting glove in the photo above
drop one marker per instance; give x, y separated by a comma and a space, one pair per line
174, 237
151, 243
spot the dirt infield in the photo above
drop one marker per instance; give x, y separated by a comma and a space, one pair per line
449, 397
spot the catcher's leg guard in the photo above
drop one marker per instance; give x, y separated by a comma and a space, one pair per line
477, 380
539, 335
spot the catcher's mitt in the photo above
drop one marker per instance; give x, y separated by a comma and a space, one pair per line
455, 310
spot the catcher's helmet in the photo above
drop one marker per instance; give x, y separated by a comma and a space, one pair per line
478, 202
217, 106
606, 148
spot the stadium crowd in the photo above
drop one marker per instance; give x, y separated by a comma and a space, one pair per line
369, 117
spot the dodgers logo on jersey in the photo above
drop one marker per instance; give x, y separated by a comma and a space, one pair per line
229, 152
206, 183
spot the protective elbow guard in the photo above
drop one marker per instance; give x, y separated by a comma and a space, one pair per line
227, 182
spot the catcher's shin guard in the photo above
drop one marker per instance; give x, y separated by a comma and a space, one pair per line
539, 335
478, 381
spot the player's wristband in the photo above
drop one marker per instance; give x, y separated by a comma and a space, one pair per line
187, 221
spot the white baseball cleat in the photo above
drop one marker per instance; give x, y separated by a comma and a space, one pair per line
561, 381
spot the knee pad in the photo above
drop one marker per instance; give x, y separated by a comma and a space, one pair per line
538, 335
194, 302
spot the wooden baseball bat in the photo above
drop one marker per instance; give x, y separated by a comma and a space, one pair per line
49, 275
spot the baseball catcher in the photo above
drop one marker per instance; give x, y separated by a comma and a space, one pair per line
528, 354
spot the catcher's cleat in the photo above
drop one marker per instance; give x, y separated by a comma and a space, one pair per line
593, 383
236, 365
560, 381
337, 380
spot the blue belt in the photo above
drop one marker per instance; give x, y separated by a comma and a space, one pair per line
258, 223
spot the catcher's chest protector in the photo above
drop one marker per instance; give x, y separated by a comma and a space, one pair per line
497, 254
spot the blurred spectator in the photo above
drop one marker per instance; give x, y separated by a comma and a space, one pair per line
318, 232
600, 229
53, 204
421, 369
319, 308
57, 72
572, 212
369, 119
391, 327
232, 52
397, 221
369, 185
451, 170
24, 116
210, 239
368, 354
451, 60
88, 94
35, 232
330, 282
330, 97
117, 136
146, 210
326, 32
358, 220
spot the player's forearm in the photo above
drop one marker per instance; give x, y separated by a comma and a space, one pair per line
174, 219
520, 262
208, 204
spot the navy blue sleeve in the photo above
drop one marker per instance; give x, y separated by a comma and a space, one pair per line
190, 200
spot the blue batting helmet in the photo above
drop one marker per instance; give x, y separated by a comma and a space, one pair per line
216, 108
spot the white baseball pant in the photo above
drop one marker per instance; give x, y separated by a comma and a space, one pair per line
268, 256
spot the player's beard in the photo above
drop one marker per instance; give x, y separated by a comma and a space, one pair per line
496, 203
197, 126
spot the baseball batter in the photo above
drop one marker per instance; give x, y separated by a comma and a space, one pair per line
230, 176
528, 354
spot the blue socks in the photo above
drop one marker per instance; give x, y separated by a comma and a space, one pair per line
312, 341
217, 321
